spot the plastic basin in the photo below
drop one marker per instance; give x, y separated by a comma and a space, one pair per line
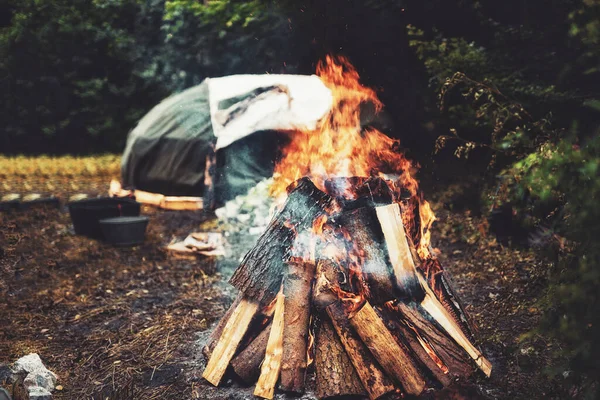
124, 231
86, 214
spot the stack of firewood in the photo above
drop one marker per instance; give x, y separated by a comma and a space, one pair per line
335, 284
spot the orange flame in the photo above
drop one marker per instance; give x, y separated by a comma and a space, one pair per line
340, 147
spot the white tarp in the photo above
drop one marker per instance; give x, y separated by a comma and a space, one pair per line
295, 102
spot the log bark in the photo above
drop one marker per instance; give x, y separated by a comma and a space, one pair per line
335, 374
393, 358
246, 364
218, 329
413, 322
373, 379
297, 291
419, 345
271, 366
439, 313
367, 241
232, 334
260, 273
400, 256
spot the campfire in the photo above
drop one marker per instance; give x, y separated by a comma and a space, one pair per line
343, 281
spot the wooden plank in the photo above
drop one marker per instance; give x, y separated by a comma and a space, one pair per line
269, 372
233, 332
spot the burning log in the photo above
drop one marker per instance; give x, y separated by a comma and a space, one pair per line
261, 272
335, 374
375, 382
269, 372
297, 291
362, 226
246, 364
393, 358
230, 338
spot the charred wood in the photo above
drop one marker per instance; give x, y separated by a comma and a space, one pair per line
260, 273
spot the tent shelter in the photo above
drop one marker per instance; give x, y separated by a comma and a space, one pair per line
225, 131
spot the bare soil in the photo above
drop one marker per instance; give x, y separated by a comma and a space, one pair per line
122, 323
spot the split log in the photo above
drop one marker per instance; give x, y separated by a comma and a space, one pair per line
232, 334
441, 284
247, 363
297, 291
413, 323
335, 374
439, 313
393, 358
269, 372
218, 329
375, 382
405, 272
367, 241
260, 273
419, 345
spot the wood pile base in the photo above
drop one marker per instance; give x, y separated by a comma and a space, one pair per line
336, 286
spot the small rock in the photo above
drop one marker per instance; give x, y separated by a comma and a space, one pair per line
38, 381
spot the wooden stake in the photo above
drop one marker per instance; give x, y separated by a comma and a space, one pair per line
269, 372
437, 311
372, 377
394, 360
233, 332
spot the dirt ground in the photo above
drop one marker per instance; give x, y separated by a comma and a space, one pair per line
122, 323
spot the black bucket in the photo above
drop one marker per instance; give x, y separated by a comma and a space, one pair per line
86, 214
124, 231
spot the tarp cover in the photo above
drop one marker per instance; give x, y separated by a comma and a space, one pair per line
236, 116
